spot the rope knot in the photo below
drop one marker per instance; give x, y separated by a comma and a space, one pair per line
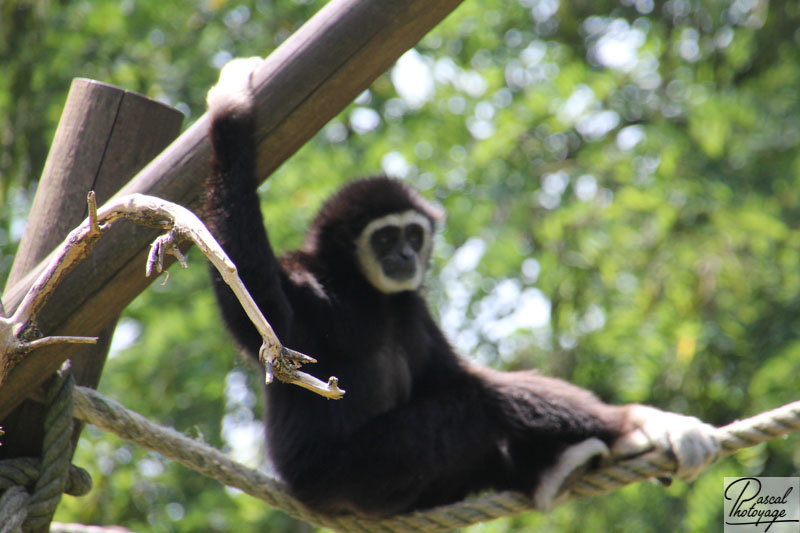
33, 487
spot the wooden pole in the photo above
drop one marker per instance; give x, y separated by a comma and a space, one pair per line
104, 137
310, 78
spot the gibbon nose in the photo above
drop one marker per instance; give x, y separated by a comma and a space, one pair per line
407, 252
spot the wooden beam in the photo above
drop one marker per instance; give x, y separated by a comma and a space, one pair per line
104, 137
311, 77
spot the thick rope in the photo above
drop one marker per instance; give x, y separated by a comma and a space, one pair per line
109, 415
49, 477
760, 428
25, 471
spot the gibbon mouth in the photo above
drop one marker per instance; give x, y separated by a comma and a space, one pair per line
400, 271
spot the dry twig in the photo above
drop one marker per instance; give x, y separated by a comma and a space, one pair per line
19, 335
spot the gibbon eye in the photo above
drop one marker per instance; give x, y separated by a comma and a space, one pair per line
384, 239
415, 235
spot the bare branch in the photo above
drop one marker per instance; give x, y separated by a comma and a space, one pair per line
280, 362
71, 252
58, 339
18, 334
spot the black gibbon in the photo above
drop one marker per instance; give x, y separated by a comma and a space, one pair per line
419, 426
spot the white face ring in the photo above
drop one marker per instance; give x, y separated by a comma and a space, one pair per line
371, 267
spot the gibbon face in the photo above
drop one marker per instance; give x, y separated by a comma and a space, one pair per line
393, 251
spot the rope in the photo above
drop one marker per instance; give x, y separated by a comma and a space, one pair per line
109, 415
49, 477
53, 475
760, 428
25, 471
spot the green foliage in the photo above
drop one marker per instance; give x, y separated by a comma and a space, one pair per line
619, 180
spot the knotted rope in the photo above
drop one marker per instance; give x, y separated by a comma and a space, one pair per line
109, 415
50, 476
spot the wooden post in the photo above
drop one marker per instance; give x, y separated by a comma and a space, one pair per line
104, 137
310, 78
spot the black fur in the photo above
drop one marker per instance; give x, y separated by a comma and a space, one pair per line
418, 426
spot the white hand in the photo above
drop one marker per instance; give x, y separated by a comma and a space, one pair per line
689, 439
233, 91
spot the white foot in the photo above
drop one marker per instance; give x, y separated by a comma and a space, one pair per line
571, 462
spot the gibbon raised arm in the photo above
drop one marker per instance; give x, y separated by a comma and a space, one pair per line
419, 426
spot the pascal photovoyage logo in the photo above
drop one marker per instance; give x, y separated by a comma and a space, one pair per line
762, 504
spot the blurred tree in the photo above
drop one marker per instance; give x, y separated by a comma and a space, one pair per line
621, 186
